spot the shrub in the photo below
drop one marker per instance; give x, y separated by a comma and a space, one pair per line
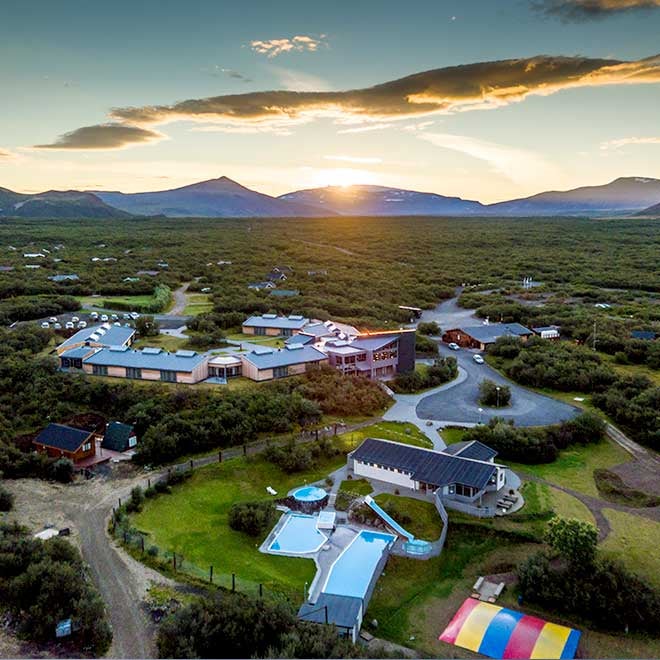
425, 345
494, 394
62, 470
428, 328
574, 540
152, 551
441, 371
136, 500
6, 499
253, 518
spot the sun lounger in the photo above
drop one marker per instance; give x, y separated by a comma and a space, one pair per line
504, 504
270, 490
511, 498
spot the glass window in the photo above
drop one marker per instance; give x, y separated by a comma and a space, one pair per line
280, 372
132, 372
168, 376
99, 370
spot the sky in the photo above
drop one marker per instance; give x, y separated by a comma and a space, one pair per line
482, 99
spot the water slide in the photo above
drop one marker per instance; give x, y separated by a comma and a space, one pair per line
388, 519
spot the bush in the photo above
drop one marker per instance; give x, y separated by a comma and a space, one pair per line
6, 499
136, 500
62, 470
428, 328
506, 347
494, 394
253, 518
152, 551
425, 345
441, 371
573, 540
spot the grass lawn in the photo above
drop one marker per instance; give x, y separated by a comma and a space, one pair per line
574, 467
277, 342
424, 522
357, 486
166, 342
97, 302
634, 542
403, 432
567, 506
192, 521
198, 303
451, 436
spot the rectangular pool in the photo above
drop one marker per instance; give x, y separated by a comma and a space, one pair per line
353, 570
298, 536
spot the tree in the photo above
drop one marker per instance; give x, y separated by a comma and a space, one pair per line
428, 328
574, 540
147, 326
62, 470
6, 499
493, 394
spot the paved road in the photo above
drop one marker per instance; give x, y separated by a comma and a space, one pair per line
460, 403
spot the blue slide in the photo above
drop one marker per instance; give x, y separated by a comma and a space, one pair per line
388, 519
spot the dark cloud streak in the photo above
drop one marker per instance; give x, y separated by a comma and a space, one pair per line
585, 10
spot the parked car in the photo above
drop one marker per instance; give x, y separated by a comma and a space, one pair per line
45, 324
82, 324
69, 325
94, 315
53, 319
57, 326
478, 358
104, 317
114, 317
117, 323
454, 346
127, 325
126, 317
74, 319
135, 315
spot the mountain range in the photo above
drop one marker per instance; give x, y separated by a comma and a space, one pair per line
226, 198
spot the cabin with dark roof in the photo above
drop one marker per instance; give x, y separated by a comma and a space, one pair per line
119, 437
59, 441
482, 336
343, 612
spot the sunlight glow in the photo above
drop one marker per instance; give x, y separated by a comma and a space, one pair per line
342, 176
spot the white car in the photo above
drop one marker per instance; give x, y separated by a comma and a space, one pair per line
114, 317
478, 358
94, 315
74, 319
53, 319
45, 324
82, 324
135, 315
117, 323
454, 346
126, 317
57, 326
104, 317
69, 325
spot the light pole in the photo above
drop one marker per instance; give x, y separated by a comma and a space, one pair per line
480, 411
498, 396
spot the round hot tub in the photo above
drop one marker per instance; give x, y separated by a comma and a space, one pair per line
309, 494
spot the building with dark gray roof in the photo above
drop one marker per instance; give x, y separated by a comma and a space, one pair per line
481, 336
454, 477
344, 612
471, 449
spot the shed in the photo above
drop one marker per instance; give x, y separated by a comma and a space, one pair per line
58, 440
119, 437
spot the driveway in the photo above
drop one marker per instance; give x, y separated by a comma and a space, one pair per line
459, 403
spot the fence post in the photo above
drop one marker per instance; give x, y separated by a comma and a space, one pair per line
125, 536
233, 581
244, 449
174, 558
191, 464
220, 456
142, 540
211, 574
119, 498
149, 483
261, 590
317, 434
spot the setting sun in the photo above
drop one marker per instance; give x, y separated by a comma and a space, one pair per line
342, 176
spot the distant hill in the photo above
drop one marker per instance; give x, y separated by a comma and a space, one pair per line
622, 195
651, 212
55, 204
217, 198
381, 201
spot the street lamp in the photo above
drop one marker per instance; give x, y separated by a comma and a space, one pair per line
498, 396
480, 411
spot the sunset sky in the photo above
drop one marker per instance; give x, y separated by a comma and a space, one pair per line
131, 96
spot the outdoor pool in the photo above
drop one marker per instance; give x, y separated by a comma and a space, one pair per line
309, 494
353, 570
298, 536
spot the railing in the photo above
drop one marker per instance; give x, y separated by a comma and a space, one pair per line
471, 509
443, 516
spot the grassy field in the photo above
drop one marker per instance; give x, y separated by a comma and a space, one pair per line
451, 436
97, 302
192, 521
276, 342
198, 303
403, 432
574, 467
166, 342
356, 486
425, 522
634, 541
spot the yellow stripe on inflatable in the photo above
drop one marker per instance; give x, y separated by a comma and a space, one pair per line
550, 642
475, 626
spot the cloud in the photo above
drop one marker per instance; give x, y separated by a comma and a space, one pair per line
582, 10
484, 85
355, 159
5, 154
104, 136
297, 81
459, 88
299, 43
624, 142
519, 165
365, 129
217, 72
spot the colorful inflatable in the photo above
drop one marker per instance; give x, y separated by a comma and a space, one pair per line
501, 633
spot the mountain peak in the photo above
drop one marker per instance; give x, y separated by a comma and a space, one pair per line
222, 184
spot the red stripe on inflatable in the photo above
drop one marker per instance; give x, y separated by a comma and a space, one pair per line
523, 638
454, 628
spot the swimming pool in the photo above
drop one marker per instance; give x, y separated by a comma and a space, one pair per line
298, 536
353, 570
309, 494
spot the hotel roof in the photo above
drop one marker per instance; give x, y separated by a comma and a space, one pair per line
471, 449
489, 333
293, 322
432, 467
147, 358
104, 335
268, 358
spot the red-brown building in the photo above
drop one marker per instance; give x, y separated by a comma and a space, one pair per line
482, 336
59, 441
